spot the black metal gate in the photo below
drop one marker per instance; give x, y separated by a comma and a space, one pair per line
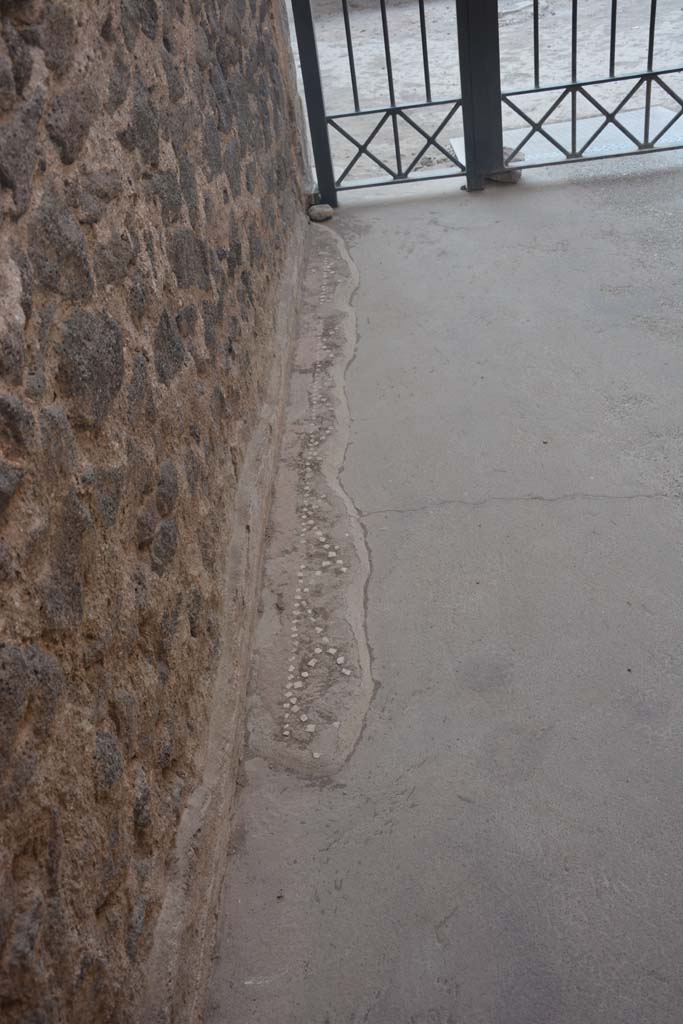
483, 100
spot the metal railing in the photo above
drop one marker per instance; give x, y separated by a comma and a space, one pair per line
481, 102
574, 89
393, 113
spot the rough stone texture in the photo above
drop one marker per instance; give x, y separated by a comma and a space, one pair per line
69, 119
152, 221
90, 366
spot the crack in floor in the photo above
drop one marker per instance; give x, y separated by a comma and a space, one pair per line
512, 498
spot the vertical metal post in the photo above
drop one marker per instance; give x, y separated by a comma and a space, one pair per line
310, 72
650, 65
575, 41
480, 86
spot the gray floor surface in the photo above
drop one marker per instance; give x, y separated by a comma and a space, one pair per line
504, 845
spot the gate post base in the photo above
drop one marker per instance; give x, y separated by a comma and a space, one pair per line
508, 174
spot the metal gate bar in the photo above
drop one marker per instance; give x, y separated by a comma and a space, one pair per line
315, 104
612, 39
425, 51
650, 58
480, 85
349, 50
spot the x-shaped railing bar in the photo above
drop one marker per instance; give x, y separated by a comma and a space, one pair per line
431, 139
611, 118
675, 118
667, 88
536, 126
362, 147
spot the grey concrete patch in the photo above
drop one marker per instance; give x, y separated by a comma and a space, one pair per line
311, 679
503, 845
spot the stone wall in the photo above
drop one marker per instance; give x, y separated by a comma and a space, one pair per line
151, 235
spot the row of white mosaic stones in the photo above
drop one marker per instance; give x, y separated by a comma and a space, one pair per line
315, 563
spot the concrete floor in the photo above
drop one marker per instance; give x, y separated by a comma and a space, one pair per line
503, 844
